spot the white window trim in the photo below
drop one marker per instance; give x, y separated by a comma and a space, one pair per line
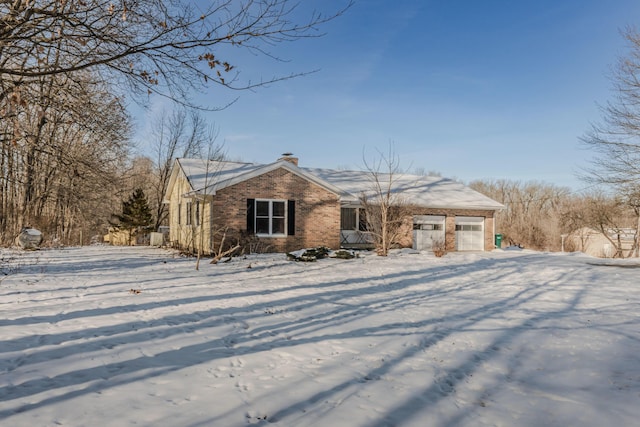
255, 218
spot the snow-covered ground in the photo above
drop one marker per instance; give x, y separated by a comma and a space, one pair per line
105, 336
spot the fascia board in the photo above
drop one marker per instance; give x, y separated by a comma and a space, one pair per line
354, 202
467, 207
175, 170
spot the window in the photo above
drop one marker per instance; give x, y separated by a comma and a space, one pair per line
432, 227
348, 219
189, 213
197, 213
468, 227
179, 213
353, 219
270, 217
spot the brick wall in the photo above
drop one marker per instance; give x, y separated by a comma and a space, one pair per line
317, 211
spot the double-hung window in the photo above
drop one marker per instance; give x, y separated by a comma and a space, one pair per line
270, 217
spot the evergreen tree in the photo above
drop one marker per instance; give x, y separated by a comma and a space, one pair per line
136, 214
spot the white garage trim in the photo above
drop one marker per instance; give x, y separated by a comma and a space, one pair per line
469, 233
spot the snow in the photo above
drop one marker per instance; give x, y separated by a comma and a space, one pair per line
201, 173
429, 191
116, 336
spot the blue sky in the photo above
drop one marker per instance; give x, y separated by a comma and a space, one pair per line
472, 89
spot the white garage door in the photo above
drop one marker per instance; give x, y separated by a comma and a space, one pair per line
469, 233
427, 229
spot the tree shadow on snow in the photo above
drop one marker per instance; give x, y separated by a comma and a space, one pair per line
381, 293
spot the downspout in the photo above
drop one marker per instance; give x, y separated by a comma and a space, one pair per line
493, 237
211, 227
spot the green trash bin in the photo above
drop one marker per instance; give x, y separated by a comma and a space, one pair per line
498, 241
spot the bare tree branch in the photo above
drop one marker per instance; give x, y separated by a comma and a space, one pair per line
616, 140
169, 47
386, 209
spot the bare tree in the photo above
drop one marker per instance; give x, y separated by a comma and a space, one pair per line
616, 140
167, 47
204, 227
606, 214
422, 171
385, 207
628, 197
532, 211
180, 133
60, 153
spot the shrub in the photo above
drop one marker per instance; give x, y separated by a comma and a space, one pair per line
439, 248
343, 254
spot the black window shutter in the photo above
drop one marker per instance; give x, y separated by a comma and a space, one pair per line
251, 214
291, 218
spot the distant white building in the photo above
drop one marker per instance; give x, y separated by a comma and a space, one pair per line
595, 243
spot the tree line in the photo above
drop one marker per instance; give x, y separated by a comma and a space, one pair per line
537, 215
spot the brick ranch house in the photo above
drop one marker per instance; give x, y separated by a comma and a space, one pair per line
282, 207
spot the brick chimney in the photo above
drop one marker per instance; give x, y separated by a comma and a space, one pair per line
289, 157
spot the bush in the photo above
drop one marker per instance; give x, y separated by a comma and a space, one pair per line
439, 248
343, 254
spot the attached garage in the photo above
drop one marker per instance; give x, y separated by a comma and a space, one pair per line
427, 230
469, 233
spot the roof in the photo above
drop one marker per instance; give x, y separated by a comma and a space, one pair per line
200, 177
427, 191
